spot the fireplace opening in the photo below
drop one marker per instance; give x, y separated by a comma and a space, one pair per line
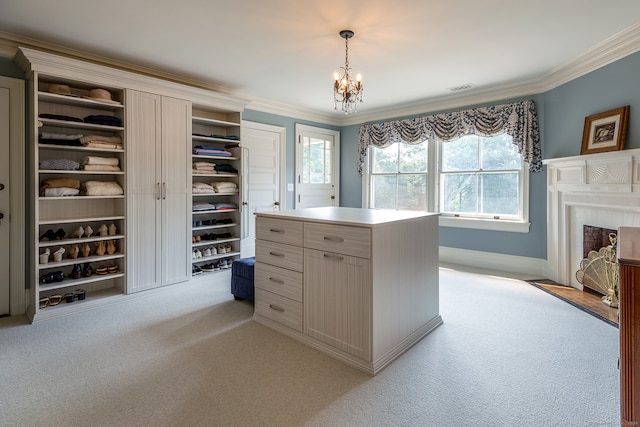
599, 268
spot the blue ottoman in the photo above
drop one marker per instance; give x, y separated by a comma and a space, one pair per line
242, 279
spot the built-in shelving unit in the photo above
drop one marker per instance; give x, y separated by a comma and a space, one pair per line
67, 143
216, 190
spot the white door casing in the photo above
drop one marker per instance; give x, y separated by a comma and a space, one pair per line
12, 196
263, 160
317, 167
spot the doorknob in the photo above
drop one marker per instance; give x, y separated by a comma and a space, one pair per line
1, 187
333, 197
276, 203
1, 215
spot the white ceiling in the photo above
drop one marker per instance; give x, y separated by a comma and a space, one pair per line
284, 52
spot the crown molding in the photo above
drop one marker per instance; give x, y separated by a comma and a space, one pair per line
287, 110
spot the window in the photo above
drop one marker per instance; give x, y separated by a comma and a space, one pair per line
473, 182
480, 177
399, 177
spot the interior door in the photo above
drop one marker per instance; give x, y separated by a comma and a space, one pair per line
263, 175
5, 204
317, 167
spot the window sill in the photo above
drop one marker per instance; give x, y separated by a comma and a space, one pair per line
485, 224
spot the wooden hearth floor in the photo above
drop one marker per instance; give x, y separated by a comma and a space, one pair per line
586, 300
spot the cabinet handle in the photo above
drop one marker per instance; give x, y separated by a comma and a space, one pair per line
164, 190
157, 191
334, 239
276, 308
276, 254
276, 230
281, 282
336, 257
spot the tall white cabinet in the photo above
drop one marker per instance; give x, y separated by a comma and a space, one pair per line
160, 190
149, 223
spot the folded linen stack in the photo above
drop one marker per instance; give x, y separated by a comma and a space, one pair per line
59, 164
101, 141
94, 163
56, 187
101, 119
204, 167
200, 207
226, 168
225, 187
101, 188
60, 139
202, 188
208, 150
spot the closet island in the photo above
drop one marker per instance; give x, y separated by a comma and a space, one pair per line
361, 285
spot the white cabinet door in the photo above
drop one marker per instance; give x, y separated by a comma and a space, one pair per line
158, 206
176, 190
337, 301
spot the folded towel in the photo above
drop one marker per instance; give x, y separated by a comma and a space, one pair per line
59, 164
100, 119
93, 138
60, 191
103, 168
59, 117
204, 165
102, 188
95, 160
72, 142
103, 145
49, 135
225, 206
201, 186
227, 168
59, 182
198, 207
224, 184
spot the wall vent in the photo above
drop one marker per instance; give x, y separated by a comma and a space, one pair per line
461, 87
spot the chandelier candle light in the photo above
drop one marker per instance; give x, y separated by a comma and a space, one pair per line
346, 90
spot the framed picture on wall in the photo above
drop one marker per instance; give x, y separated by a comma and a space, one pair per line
605, 131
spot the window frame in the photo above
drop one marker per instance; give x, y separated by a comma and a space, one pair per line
434, 162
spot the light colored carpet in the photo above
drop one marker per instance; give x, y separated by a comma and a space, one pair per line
507, 354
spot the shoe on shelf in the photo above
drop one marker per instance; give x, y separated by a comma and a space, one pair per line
85, 250
48, 236
195, 270
74, 250
44, 257
101, 248
222, 249
112, 230
111, 247
103, 230
88, 231
206, 252
216, 266
60, 234
208, 267
228, 248
214, 251
76, 271
86, 272
77, 233
57, 255
112, 268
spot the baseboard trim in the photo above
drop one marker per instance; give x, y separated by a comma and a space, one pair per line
535, 267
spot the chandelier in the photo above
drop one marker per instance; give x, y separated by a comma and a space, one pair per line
346, 90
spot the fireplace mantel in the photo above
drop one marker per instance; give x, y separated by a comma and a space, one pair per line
602, 190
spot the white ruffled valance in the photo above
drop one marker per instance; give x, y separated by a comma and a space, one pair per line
519, 120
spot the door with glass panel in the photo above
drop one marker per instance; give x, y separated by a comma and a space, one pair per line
317, 167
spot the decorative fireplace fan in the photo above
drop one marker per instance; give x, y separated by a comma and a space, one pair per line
599, 271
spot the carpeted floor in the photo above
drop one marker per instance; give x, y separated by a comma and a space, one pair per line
506, 355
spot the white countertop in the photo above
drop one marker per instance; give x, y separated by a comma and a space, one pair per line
353, 216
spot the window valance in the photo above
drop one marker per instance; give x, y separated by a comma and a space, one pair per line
518, 119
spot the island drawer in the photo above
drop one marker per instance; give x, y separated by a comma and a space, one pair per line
278, 280
342, 239
279, 230
280, 255
279, 309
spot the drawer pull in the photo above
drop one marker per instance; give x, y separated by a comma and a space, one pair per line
336, 257
276, 308
276, 254
276, 230
281, 282
334, 239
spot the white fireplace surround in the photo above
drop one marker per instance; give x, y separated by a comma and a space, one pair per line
602, 190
